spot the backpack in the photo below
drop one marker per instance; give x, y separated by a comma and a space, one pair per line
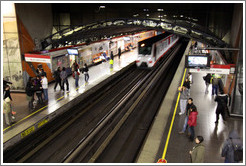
238, 152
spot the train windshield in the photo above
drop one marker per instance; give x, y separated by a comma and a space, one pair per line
146, 50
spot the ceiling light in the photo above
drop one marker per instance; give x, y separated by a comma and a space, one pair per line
159, 10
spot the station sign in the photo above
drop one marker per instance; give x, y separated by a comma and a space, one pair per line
37, 58
216, 69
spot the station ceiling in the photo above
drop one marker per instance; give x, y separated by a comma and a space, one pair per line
188, 15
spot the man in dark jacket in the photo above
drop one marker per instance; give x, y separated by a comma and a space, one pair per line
188, 108
222, 101
57, 78
30, 93
227, 150
207, 80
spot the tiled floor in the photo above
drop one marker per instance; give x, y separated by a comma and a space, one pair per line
214, 135
97, 74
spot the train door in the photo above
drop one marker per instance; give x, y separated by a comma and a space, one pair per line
154, 52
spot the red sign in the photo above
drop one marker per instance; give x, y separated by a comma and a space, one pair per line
220, 66
162, 161
37, 58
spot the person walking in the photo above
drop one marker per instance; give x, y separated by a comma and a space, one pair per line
64, 79
57, 77
30, 93
215, 85
192, 122
207, 80
188, 110
119, 52
85, 71
232, 142
183, 99
198, 151
7, 111
222, 101
76, 77
44, 83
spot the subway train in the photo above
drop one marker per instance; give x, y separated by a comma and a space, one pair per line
151, 50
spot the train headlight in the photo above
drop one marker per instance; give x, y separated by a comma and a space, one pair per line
142, 45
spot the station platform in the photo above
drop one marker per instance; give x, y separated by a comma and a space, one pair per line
163, 140
27, 122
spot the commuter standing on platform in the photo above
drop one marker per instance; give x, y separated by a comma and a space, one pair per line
6, 92
187, 85
30, 93
43, 72
76, 77
192, 122
183, 99
188, 110
112, 55
38, 89
207, 80
75, 66
233, 141
64, 80
7, 111
85, 71
119, 52
44, 83
198, 151
57, 77
215, 85
189, 76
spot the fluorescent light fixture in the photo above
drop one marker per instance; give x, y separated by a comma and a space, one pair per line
159, 10
102, 7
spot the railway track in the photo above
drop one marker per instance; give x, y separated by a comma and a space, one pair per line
108, 126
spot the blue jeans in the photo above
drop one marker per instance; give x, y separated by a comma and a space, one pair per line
215, 89
76, 82
192, 132
185, 123
45, 94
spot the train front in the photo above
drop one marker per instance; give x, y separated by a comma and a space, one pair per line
145, 54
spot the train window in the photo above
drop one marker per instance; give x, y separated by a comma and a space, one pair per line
145, 50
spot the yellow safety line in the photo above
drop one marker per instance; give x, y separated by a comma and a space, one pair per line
36, 111
171, 126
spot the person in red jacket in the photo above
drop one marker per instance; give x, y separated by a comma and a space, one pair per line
192, 122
